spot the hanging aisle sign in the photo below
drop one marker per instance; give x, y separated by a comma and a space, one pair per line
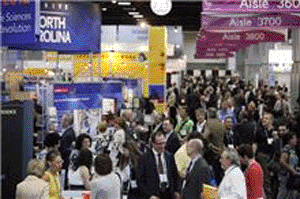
250, 21
18, 19
222, 44
240, 37
251, 6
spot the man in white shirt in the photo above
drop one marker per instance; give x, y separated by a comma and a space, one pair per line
233, 185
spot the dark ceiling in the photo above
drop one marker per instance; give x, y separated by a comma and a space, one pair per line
185, 14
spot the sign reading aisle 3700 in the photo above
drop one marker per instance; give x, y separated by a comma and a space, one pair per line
251, 6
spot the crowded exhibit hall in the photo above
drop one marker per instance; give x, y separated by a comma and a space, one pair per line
150, 99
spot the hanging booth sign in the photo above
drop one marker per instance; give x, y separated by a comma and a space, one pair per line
86, 95
251, 6
60, 30
271, 20
18, 20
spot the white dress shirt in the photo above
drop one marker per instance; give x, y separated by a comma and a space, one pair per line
200, 126
233, 185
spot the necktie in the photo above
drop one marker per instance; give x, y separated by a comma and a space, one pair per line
160, 165
188, 170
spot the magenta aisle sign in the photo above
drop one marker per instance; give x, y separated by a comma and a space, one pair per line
250, 21
251, 6
242, 37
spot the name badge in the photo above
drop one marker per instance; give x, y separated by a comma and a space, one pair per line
230, 146
163, 178
270, 140
147, 119
133, 184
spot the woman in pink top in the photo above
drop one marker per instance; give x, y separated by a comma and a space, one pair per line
253, 173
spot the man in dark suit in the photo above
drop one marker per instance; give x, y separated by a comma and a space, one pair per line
67, 138
157, 176
198, 172
172, 141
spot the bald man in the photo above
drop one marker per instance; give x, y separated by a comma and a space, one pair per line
198, 172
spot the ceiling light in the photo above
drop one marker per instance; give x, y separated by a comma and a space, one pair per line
104, 9
124, 3
138, 16
113, 1
143, 24
161, 7
133, 13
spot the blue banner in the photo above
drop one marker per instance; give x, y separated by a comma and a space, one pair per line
67, 27
18, 18
86, 95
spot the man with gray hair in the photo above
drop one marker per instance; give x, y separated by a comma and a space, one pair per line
233, 185
198, 172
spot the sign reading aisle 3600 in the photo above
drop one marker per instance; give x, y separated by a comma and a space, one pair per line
251, 6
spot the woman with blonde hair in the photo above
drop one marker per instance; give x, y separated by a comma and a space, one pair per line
33, 187
54, 164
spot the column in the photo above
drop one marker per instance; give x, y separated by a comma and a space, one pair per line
295, 75
157, 70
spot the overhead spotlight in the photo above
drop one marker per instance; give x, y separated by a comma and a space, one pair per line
124, 3
177, 46
104, 9
133, 13
113, 1
143, 24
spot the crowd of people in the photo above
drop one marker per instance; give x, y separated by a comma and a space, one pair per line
218, 131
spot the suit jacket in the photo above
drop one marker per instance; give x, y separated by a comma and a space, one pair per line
67, 139
32, 188
173, 143
200, 174
148, 178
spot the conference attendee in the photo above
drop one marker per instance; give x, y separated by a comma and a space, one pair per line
68, 137
51, 142
106, 184
253, 173
214, 143
245, 130
33, 186
229, 137
172, 140
198, 172
265, 147
83, 141
54, 163
185, 126
157, 174
201, 121
233, 185
103, 139
80, 174
289, 162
